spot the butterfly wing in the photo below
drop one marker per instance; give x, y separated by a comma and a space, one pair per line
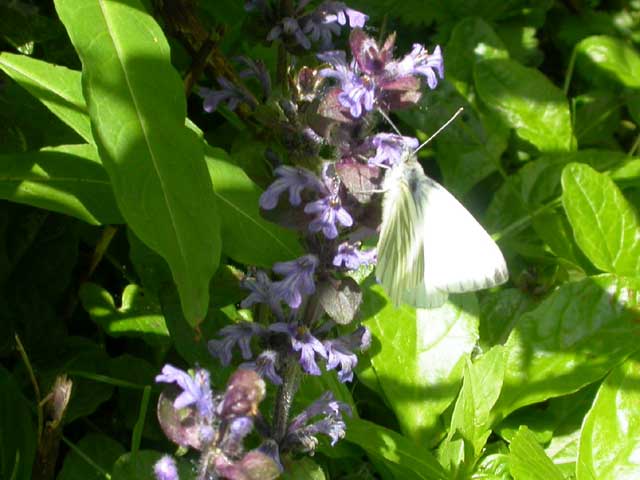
400, 265
442, 246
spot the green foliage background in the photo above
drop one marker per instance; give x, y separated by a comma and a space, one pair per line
123, 226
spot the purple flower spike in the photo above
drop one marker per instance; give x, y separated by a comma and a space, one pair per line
302, 341
240, 334
229, 92
298, 279
350, 256
265, 366
196, 389
166, 469
304, 435
390, 149
292, 179
262, 291
328, 211
420, 62
340, 352
356, 94
290, 27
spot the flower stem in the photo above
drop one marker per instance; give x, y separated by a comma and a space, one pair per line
284, 399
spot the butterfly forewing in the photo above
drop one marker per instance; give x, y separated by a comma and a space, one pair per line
430, 244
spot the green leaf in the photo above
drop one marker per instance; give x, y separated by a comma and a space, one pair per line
67, 179
499, 313
469, 149
418, 357
140, 467
605, 225
136, 102
416, 462
246, 236
472, 39
570, 340
470, 423
528, 460
57, 87
101, 449
138, 316
303, 469
609, 442
602, 59
527, 101
17, 431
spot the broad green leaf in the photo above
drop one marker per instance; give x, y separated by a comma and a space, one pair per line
101, 449
499, 313
469, 149
140, 467
602, 58
605, 225
416, 461
136, 102
17, 431
418, 357
57, 87
610, 438
470, 423
303, 469
528, 460
521, 41
570, 340
597, 117
527, 101
246, 236
138, 315
472, 39
68, 179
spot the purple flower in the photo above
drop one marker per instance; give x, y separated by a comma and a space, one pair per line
262, 291
357, 94
265, 366
298, 279
166, 469
240, 334
390, 149
328, 211
340, 352
196, 389
229, 92
327, 19
350, 256
258, 70
289, 26
420, 62
302, 341
292, 179
299, 432
319, 30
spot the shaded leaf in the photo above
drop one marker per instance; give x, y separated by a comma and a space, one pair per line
101, 449
570, 340
57, 87
137, 316
340, 299
418, 356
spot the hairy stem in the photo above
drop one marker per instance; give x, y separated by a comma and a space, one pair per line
291, 374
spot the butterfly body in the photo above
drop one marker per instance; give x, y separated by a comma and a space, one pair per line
429, 244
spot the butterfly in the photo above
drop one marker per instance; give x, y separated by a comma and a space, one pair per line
429, 244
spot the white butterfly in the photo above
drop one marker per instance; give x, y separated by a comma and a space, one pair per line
429, 244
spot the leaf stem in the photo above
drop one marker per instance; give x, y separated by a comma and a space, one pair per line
524, 221
136, 436
86, 458
569, 75
34, 382
634, 147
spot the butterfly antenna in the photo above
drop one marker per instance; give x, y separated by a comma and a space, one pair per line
389, 121
453, 117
